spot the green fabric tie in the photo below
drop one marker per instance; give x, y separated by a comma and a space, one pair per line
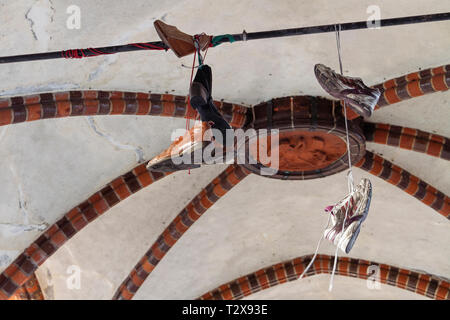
216, 40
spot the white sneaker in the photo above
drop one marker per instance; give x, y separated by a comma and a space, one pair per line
357, 206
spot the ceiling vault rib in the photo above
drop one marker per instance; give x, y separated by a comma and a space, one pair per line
91, 103
421, 283
409, 86
30, 290
414, 186
408, 138
229, 178
24, 266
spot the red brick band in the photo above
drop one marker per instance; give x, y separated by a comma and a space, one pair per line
410, 86
421, 283
182, 222
90, 103
408, 138
31, 290
24, 266
409, 183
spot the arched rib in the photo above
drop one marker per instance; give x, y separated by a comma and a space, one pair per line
72, 222
182, 222
409, 183
408, 138
420, 283
31, 290
412, 85
89, 103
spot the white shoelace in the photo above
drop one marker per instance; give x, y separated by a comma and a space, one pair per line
350, 182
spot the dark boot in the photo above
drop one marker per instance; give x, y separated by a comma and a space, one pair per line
201, 100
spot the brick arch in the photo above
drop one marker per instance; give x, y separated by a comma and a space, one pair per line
409, 86
223, 183
24, 266
421, 283
408, 138
414, 186
90, 103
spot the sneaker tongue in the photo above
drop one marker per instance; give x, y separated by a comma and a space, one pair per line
329, 208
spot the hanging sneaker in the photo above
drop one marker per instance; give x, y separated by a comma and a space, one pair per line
186, 152
182, 44
357, 206
361, 98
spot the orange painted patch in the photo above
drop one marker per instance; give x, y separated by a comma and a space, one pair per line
380, 135
226, 292
280, 273
145, 178
5, 116
58, 238
412, 187
262, 278
413, 76
168, 108
19, 277
116, 95
407, 141
4, 103
118, 106
402, 279
389, 84
219, 191
143, 107
147, 266
157, 252
434, 148
245, 286
438, 83
391, 96
64, 108
100, 206
120, 188
395, 177
445, 211
33, 112
168, 239
126, 294
91, 107
377, 168
438, 70
90, 94
413, 89
79, 222
34, 99
61, 96
422, 283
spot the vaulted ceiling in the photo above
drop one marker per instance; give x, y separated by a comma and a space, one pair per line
49, 168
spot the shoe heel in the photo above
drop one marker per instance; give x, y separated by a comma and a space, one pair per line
198, 94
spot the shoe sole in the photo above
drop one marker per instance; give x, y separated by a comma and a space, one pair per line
358, 229
167, 165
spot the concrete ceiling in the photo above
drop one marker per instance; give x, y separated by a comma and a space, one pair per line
48, 167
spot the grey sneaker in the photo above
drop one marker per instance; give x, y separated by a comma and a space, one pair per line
361, 98
358, 203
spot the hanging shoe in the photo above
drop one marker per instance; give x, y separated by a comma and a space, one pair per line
357, 206
201, 100
361, 98
182, 44
181, 153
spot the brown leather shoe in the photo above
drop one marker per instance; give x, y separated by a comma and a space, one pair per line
181, 153
182, 44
